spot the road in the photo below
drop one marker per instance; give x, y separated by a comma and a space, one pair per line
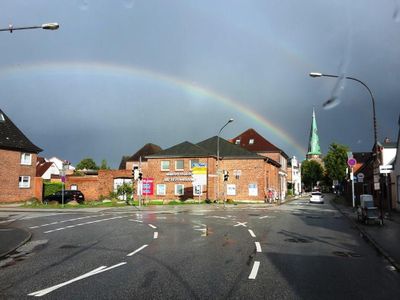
293, 251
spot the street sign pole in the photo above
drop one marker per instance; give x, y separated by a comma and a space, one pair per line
352, 187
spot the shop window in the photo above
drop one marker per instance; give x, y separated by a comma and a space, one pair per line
161, 189
24, 182
179, 165
179, 189
26, 159
165, 165
193, 161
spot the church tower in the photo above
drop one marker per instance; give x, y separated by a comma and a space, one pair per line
314, 150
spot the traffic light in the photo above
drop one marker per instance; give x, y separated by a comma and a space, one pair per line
135, 172
226, 175
140, 175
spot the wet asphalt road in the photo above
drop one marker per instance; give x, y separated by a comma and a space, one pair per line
294, 251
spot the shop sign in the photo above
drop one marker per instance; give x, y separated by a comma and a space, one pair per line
199, 173
148, 186
178, 179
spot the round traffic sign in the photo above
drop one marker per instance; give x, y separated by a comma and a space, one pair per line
351, 162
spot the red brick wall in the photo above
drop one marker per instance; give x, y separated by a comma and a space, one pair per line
10, 170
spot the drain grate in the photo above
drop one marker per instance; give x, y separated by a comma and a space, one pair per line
297, 240
346, 254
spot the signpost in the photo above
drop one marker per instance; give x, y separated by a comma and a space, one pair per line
352, 162
199, 176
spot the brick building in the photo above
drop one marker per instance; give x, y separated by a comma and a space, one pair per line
254, 142
18, 157
172, 170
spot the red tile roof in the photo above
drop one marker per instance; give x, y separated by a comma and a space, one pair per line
41, 168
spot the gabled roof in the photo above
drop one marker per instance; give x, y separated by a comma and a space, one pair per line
12, 138
122, 164
227, 149
146, 150
41, 168
185, 149
260, 144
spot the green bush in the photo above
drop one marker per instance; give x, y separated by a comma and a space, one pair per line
51, 187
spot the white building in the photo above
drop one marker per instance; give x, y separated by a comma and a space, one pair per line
295, 175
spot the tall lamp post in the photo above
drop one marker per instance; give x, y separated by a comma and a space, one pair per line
316, 74
218, 172
46, 26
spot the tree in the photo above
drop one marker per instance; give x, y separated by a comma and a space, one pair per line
125, 190
87, 163
336, 162
311, 172
103, 165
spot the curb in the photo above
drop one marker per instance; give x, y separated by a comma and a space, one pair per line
2, 255
369, 239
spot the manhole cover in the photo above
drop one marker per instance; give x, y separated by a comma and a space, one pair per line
297, 240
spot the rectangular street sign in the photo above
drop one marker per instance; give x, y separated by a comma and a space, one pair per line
385, 169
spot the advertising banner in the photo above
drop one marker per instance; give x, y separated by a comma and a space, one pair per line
148, 186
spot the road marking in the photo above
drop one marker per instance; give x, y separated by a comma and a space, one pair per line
241, 224
254, 270
263, 217
137, 250
218, 217
138, 221
91, 273
252, 233
64, 221
155, 236
81, 224
152, 226
6, 221
258, 247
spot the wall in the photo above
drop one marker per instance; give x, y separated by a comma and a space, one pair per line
10, 170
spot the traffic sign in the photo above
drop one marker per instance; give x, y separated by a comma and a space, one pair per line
351, 162
386, 169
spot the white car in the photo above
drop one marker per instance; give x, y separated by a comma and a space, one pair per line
316, 197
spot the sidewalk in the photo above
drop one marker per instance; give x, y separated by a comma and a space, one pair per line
385, 239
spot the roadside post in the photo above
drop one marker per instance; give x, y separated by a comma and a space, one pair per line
351, 163
385, 170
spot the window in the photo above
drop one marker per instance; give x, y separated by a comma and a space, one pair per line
2, 119
197, 190
237, 173
231, 189
179, 165
251, 141
26, 159
74, 187
24, 182
165, 165
193, 161
237, 142
179, 189
253, 191
161, 189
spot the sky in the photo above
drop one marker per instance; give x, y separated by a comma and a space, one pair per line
119, 74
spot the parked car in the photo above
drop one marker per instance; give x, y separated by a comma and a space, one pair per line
316, 197
69, 195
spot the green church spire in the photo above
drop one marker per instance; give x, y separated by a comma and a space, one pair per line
313, 146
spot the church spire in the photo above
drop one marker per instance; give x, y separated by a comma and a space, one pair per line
314, 150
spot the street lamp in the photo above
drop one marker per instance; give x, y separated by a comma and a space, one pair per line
46, 26
219, 132
317, 74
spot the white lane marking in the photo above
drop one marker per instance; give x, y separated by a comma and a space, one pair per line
155, 236
152, 226
252, 233
91, 273
241, 224
137, 250
254, 270
81, 224
258, 247
138, 221
217, 217
263, 217
64, 221
6, 221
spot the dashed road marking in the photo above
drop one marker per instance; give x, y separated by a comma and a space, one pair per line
137, 250
64, 221
254, 270
258, 247
81, 224
91, 273
264, 217
252, 233
155, 236
241, 224
152, 226
137, 221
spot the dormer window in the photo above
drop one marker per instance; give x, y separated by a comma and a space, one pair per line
251, 141
26, 159
2, 119
237, 142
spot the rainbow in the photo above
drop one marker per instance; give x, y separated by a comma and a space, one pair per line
123, 70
